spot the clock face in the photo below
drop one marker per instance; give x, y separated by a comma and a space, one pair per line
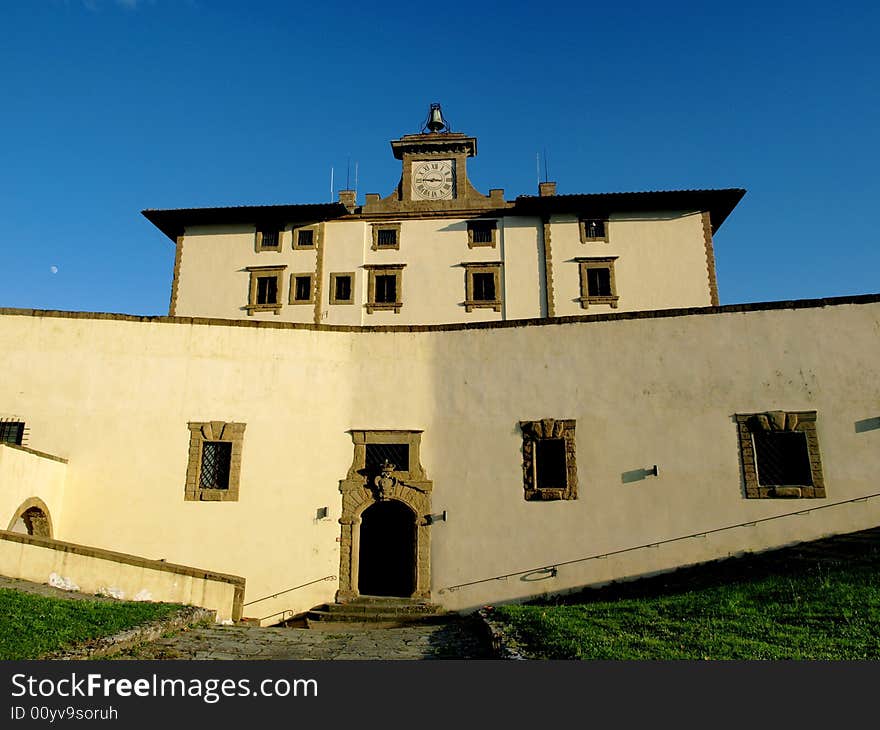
433, 180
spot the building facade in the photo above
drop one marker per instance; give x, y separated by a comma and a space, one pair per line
458, 457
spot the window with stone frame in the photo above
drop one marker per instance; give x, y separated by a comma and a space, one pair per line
598, 283
264, 289
342, 288
482, 233
214, 467
593, 229
268, 239
549, 463
306, 238
385, 287
482, 286
386, 236
302, 288
779, 452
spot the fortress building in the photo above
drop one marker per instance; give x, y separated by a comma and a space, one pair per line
439, 395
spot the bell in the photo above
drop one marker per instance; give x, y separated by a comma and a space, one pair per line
435, 119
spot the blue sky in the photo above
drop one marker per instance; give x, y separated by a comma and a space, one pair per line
113, 106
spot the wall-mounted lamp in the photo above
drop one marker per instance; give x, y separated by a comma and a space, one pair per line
441, 517
321, 513
654, 471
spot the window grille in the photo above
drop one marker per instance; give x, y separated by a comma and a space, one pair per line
216, 459
397, 454
594, 228
11, 432
305, 238
782, 458
387, 237
270, 239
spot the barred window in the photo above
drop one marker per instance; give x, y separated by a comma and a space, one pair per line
11, 432
481, 233
387, 238
397, 454
305, 238
216, 459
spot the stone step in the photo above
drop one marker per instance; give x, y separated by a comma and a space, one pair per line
376, 609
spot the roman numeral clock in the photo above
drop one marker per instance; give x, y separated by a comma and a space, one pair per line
433, 180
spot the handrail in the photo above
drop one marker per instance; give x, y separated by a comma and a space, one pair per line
552, 567
288, 590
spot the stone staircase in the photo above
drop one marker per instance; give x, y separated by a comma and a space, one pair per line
377, 612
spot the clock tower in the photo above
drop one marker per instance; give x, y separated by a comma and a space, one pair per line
434, 175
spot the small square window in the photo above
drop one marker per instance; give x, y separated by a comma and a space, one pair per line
593, 229
11, 432
302, 288
384, 288
265, 289
779, 451
549, 466
268, 239
386, 236
306, 238
598, 284
482, 233
482, 286
341, 288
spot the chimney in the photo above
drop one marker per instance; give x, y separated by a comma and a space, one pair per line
349, 199
546, 188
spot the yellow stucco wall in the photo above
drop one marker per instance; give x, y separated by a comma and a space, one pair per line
27, 476
661, 264
643, 391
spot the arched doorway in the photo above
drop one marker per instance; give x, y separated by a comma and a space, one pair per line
387, 564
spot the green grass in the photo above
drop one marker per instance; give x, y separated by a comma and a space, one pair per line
32, 625
800, 604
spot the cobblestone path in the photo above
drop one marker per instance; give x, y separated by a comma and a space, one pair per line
455, 638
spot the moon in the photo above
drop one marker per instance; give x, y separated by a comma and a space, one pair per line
53, 269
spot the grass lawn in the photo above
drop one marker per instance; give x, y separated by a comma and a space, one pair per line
33, 625
798, 603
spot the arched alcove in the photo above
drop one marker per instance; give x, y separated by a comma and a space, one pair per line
32, 517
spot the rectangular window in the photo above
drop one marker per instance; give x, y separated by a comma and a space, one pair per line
341, 289
550, 471
482, 286
214, 467
482, 233
593, 229
305, 238
11, 432
377, 454
386, 236
302, 289
268, 239
264, 289
549, 466
267, 290
779, 452
387, 239
216, 459
598, 284
385, 287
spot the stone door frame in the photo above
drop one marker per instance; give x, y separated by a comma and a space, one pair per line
411, 487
